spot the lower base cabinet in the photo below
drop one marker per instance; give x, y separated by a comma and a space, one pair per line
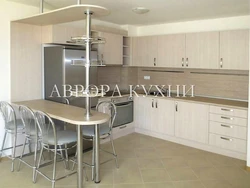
191, 121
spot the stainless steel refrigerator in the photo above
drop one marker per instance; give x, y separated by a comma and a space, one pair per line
63, 65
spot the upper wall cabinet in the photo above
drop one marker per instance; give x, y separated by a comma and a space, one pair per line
112, 51
145, 51
171, 50
202, 50
234, 49
60, 34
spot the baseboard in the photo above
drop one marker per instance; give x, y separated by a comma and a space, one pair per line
205, 147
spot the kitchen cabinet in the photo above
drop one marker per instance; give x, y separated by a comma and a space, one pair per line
60, 34
145, 51
171, 50
111, 53
191, 121
202, 50
234, 49
155, 114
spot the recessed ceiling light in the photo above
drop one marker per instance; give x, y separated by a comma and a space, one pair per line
140, 10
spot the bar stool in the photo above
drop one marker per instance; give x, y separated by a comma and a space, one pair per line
12, 126
53, 140
31, 135
105, 132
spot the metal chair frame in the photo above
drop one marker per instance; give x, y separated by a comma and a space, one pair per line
113, 111
9, 116
57, 149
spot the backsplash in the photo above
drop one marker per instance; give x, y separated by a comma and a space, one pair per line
215, 83
117, 75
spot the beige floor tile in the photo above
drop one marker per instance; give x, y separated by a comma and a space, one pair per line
232, 172
129, 186
148, 153
243, 182
181, 174
106, 177
127, 176
216, 184
155, 175
159, 185
208, 173
149, 163
198, 161
188, 184
220, 160
125, 163
174, 161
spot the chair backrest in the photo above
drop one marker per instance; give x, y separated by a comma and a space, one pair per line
108, 107
46, 127
9, 115
29, 121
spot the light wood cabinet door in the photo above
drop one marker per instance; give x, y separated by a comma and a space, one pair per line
234, 49
111, 52
152, 51
202, 50
164, 113
139, 51
171, 50
191, 121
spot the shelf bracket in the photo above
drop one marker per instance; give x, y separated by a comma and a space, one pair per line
41, 6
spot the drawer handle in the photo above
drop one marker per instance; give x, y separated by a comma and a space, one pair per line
228, 110
228, 139
223, 117
123, 127
227, 126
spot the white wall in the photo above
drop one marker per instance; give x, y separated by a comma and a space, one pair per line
8, 11
230, 23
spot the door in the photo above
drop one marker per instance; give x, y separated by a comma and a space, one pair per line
191, 121
111, 52
234, 49
152, 50
171, 50
163, 120
202, 50
141, 51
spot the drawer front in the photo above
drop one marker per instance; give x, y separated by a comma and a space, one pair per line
228, 119
228, 111
224, 142
228, 130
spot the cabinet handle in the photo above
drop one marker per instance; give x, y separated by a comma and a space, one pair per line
227, 126
228, 139
176, 107
156, 104
154, 61
228, 110
182, 62
230, 118
152, 103
123, 127
221, 62
186, 62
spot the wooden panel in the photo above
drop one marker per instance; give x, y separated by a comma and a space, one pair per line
234, 49
228, 111
228, 130
231, 144
171, 50
26, 62
152, 50
228, 119
224, 83
111, 52
188, 124
202, 50
164, 117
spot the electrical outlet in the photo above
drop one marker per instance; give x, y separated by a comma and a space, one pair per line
146, 77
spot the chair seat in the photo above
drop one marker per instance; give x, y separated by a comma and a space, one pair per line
63, 137
90, 130
11, 126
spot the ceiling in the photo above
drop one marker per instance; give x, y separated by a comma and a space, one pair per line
161, 11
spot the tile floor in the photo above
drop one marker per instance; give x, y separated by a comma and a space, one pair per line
146, 162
